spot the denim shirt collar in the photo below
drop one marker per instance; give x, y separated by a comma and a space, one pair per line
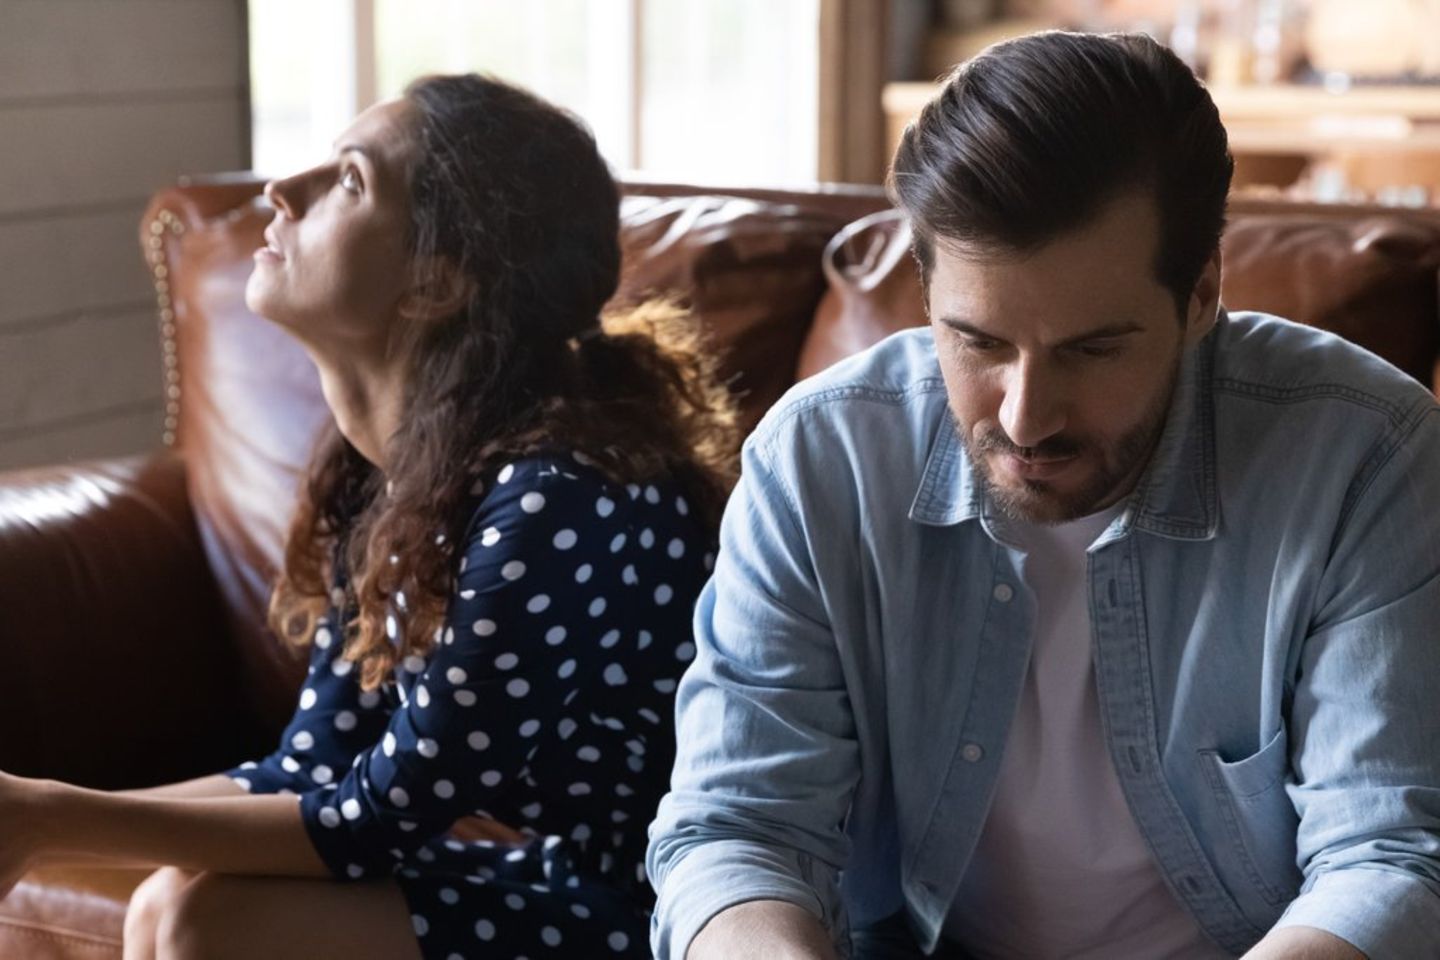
1176, 496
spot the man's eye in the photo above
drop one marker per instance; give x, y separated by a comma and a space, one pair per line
1099, 350
350, 180
979, 344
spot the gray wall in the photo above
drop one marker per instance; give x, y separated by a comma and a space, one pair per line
101, 102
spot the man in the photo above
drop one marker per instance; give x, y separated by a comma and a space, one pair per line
1088, 621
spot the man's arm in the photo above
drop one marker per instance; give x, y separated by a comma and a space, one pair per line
762, 930
1362, 722
767, 756
1302, 943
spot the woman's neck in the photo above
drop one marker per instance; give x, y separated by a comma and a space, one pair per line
366, 399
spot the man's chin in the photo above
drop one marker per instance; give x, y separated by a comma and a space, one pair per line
1040, 503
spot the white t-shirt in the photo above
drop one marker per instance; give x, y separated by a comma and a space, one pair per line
1060, 869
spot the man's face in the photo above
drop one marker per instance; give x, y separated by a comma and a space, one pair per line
1060, 364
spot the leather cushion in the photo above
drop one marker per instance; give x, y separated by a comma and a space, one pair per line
1372, 280
873, 291
250, 406
750, 271
123, 680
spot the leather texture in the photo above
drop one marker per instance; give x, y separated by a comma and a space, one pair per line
118, 672
134, 590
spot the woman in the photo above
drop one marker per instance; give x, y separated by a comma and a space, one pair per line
493, 563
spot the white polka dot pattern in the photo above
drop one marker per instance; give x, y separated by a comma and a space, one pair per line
538, 697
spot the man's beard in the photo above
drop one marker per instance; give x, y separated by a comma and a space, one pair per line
1034, 501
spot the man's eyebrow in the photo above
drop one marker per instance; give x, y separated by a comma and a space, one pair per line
1107, 332
967, 328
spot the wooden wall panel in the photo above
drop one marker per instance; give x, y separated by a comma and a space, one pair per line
101, 103
83, 155
59, 264
118, 432
118, 48
109, 359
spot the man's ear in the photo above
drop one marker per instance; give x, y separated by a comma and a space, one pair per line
1203, 308
441, 290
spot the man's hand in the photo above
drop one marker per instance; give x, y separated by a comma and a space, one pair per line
1302, 943
762, 930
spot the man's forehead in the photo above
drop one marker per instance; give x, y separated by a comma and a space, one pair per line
1108, 263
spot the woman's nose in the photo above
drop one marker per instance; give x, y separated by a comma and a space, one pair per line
287, 194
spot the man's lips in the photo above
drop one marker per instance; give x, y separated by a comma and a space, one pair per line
1037, 468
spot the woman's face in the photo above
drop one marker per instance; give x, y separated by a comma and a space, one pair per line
336, 264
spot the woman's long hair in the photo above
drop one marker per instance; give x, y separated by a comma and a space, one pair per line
513, 192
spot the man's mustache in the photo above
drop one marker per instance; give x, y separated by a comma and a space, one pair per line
1051, 448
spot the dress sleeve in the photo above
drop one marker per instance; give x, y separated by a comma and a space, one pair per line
333, 721
479, 707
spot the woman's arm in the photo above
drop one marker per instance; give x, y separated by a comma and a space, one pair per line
211, 785
240, 833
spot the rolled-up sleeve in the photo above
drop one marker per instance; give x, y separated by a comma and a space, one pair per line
768, 760
1366, 753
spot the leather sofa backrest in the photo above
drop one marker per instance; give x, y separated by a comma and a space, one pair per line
245, 403
780, 284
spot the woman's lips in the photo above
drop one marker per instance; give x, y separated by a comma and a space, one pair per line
271, 252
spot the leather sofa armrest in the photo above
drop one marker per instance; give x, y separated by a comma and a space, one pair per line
118, 666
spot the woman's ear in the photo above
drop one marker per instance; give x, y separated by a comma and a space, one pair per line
441, 290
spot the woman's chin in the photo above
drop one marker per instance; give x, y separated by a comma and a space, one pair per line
260, 301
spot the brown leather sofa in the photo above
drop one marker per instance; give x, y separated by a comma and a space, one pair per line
132, 591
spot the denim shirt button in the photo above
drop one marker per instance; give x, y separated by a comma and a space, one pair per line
972, 752
1004, 592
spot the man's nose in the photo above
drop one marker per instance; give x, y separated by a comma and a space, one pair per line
1034, 408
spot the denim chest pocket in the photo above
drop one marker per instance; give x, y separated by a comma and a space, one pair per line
1258, 816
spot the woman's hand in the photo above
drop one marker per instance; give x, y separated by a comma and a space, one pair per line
471, 829
20, 844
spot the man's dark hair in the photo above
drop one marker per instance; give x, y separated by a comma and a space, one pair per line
1032, 137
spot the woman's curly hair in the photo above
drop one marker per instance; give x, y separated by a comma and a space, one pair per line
513, 192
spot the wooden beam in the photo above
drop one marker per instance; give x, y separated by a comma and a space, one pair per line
853, 44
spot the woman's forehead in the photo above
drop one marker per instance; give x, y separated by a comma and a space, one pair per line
383, 135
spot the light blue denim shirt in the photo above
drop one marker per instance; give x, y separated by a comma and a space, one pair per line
1265, 615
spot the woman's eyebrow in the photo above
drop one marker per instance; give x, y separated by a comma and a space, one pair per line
356, 148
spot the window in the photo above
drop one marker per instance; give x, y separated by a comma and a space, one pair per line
721, 90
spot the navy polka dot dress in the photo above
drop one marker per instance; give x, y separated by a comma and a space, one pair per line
546, 704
